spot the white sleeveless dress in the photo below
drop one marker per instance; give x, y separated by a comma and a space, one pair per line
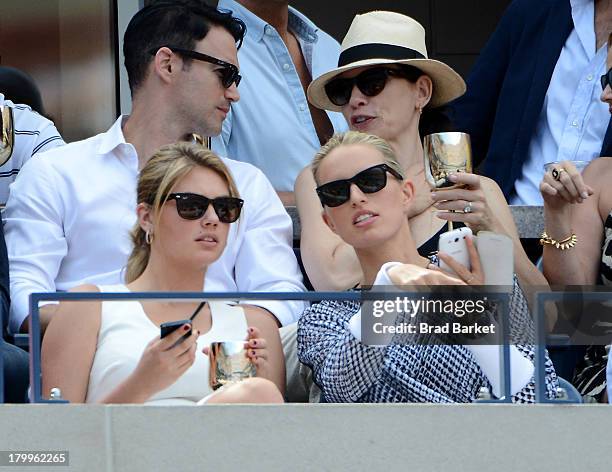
125, 331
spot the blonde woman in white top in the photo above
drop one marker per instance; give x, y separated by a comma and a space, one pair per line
111, 352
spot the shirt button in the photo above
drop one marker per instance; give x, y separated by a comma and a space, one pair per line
302, 107
574, 124
286, 67
589, 77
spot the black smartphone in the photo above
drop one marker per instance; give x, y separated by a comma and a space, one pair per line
171, 326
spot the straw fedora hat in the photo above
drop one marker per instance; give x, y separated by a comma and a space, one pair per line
384, 37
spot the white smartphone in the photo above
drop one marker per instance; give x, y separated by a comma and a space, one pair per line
496, 253
453, 244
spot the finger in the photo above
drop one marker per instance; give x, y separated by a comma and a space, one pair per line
459, 194
205, 350
174, 336
257, 343
576, 178
559, 187
465, 178
477, 271
185, 345
548, 189
569, 185
459, 269
468, 218
257, 353
460, 205
188, 355
253, 332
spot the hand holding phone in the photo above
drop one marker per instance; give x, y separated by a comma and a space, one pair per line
453, 244
171, 326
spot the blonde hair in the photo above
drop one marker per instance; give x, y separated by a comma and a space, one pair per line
157, 178
353, 138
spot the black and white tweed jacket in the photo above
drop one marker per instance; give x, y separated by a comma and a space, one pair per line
348, 371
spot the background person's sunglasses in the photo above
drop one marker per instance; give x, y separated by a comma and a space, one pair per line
371, 180
370, 82
229, 72
606, 79
192, 206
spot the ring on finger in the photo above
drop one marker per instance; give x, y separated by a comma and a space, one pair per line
468, 208
556, 173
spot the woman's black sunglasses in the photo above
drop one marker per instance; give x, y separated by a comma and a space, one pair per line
192, 206
606, 79
371, 82
371, 180
228, 72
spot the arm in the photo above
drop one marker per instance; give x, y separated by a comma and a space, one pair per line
34, 236
48, 138
344, 368
69, 346
331, 264
580, 264
272, 365
265, 261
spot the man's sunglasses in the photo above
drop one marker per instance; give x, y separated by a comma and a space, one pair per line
370, 82
228, 72
606, 79
371, 180
192, 206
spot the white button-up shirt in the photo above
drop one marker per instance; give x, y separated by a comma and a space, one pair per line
271, 126
33, 134
71, 209
573, 121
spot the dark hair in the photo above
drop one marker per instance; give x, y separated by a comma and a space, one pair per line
180, 23
433, 120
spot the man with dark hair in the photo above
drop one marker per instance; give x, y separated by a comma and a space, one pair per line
70, 211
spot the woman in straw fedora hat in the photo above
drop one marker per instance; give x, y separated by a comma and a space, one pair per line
384, 85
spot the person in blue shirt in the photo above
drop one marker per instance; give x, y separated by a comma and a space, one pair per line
273, 126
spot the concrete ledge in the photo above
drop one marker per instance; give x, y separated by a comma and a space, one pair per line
315, 437
529, 221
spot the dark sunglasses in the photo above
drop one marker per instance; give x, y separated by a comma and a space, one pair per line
228, 72
370, 82
192, 206
606, 79
371, 180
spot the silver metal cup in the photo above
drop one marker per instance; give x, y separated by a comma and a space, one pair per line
446, 153
228, 363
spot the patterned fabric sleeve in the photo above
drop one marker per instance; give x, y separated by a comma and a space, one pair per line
344, 368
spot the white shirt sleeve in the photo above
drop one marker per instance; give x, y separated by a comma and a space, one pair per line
382, 278
266, 261
34, 236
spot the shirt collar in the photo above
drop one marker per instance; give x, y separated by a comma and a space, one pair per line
583, 16
113, 137
256, 27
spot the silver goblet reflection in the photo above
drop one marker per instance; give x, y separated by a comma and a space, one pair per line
446, 153
229, 363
